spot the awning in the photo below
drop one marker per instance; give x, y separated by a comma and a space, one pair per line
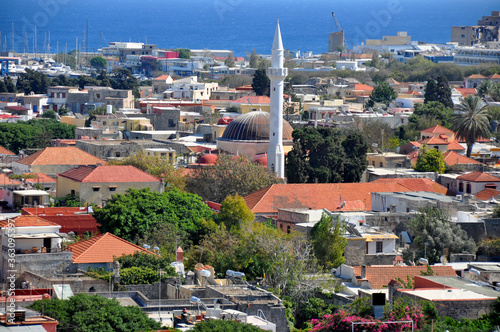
35, 236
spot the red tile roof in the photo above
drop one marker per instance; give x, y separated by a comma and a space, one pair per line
487, 194
161, 78
437, 129
455, 146
363, 87
28, 221
69, 155
71, 219
421, 184
40, 178
380, 276
6, 152
452, 158
466, 91
434, 141
253, 100
5, 180
478, 177
102, 248
476, 76
118, 173
332, 195
15, 108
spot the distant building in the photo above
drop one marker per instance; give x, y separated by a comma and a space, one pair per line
474, 55
97, 184
54, 160
485, 31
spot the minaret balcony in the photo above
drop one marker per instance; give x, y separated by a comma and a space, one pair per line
277, 74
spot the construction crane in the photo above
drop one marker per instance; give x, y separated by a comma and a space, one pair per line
339, 29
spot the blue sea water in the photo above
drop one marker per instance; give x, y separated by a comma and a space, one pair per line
239, 25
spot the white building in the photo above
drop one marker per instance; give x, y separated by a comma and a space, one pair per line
475, 55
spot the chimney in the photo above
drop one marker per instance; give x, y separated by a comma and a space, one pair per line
363, 271
179, 255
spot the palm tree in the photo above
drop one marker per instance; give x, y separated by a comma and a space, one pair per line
471, 121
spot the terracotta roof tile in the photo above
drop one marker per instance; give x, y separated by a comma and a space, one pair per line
102, 248
4, 179
380, 276
434, 141
466, 91
61, 156
253, 100
332, 195
455, 146
6, 152
476, 76
452, 158
40, 178
71, 219
28, 221
363, 87
118, 173
437, 129
421, 184
478, 177
487, 194
161, 78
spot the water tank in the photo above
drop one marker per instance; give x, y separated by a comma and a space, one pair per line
109, 109
205, 273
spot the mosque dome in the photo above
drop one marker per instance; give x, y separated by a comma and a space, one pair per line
253, 126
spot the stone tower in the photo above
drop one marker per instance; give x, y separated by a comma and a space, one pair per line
277, 74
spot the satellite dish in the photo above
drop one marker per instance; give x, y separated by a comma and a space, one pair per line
423, 261
205, 273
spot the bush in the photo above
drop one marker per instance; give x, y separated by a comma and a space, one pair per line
138, 276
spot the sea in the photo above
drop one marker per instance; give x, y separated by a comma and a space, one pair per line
238, 25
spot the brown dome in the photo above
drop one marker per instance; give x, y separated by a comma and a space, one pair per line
253, 126
209, 159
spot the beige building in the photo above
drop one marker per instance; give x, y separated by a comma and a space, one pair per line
96, 184
401, 38
387, 160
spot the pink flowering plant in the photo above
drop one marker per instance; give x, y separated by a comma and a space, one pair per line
342, 319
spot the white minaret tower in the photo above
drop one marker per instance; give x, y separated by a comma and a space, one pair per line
277, 74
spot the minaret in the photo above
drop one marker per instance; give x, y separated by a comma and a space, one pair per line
277, 74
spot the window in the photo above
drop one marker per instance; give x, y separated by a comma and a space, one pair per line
436, 147
468, 188
381, 164
98, 95
112, 188
288, 229
96, 188
64, 94
379, 246
72, 192
461, 187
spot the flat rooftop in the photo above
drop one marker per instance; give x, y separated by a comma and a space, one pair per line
421, 195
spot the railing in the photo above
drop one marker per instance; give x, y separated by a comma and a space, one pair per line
35, 250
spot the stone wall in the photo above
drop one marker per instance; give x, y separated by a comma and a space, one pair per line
379, 259
151, 291
355, 252
78, 284
476, 230
492, 227
44, 264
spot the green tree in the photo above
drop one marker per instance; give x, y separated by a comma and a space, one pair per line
184, 53
3, 87
432, 110
321, 155
382, 93
471, 122
261, 83
27, 135
123, 79
10, 85
430, 160
88, 313
98, 62
328, 241
49, 114
32, 81
438, 91
229, 60
131, 215
435, 233
150, 65
157, 166
253, 59
220, 325
234, 213
230, 176
63, 111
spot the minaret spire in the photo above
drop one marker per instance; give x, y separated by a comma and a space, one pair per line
277, 74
